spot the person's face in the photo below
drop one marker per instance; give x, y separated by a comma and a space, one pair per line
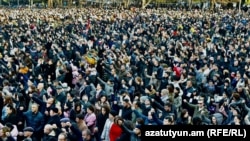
166, 122
213, 119
61, 138
63, 124
186, 115
77, 120
40, 86
124, 104
111, 116
167, 108
78, 108
200, 103
147, 102
25, 134
137, 131
236, 120
89, 111
68, 96
34, 108
8, 110
98, 87
103, 111
46, 130
49, 102
103, 99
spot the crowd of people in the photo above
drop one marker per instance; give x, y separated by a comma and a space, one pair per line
100, 75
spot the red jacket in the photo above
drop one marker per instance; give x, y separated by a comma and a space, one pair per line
115, 132
177, 70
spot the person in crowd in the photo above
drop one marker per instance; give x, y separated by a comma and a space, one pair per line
5, 134
35, 120
107, 126
11, 115
90, 118
49, 133
115, 129
87, 135
100, 120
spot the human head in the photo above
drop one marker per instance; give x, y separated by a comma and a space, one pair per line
34, 108
112, 114
10, 109
86, 135
168, 120
62, 137
47, 129
28, 131
90, 109
79, 118
3, 131
105, 109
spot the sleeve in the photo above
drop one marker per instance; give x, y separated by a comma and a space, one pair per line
105, 130
127, 130
42, 123
91, 121
156, 119
139, 115
14, 132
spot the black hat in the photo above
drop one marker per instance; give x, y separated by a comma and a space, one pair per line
54, 109
113, 113
28, 129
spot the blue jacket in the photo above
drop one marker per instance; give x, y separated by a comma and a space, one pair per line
36, 121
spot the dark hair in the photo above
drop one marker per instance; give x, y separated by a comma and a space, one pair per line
138, 103
117, 118
170, 88
106, 107
8, 100
80, 116
91, 108
11, 108
169, 118
77, 104
140, 121
183, 112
